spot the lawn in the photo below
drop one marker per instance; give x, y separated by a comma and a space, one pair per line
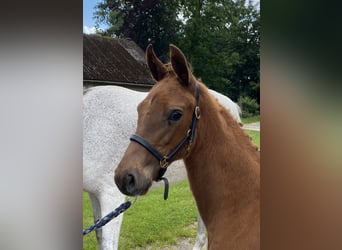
89, 240
151, 220
155, 222
255, 137
254, 134
250, 119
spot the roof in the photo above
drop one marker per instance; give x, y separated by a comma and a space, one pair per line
114, 60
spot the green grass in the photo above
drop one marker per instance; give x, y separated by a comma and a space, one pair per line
151, 220
89, 240
250, 119
255, 136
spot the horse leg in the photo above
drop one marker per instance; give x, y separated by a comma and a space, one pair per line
105, 202
110, 199
96, 208
201, 238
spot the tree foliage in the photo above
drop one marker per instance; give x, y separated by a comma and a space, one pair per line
149, 21
221, 39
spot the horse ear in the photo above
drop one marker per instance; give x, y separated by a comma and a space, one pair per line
156, 67
180, 65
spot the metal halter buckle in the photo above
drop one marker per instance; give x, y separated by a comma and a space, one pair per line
164, 163
197, 112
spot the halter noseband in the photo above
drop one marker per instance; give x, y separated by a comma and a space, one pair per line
164, 161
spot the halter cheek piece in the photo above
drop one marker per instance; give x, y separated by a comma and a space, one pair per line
164, 161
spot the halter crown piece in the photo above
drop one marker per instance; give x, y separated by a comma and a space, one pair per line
164, 161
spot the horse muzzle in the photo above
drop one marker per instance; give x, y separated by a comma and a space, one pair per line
132, 183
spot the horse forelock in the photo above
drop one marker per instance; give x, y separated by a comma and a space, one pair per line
168, 67
170, 71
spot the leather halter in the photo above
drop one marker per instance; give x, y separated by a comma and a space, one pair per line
164, 161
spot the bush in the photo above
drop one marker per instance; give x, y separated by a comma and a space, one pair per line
249, 106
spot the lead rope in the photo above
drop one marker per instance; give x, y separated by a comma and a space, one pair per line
107, 218
120, 209
166, 187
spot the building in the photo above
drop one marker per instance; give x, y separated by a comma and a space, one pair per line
111, 61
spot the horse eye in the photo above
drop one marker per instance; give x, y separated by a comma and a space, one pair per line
175, 115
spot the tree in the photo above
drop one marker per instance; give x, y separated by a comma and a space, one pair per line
221, 38
149, 21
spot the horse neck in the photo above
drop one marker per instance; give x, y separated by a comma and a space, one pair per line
223, 165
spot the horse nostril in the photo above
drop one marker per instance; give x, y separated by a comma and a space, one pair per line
129, 183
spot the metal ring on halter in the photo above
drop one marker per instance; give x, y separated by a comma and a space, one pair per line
164, 163
197, 112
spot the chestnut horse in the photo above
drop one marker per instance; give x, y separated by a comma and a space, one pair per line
179, 119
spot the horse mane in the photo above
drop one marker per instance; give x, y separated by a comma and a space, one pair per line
228, 119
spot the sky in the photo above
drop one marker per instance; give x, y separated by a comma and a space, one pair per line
89, 22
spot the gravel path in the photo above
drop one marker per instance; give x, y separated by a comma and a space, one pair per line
252, 126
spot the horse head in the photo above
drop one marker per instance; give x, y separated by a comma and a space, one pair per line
166, 124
